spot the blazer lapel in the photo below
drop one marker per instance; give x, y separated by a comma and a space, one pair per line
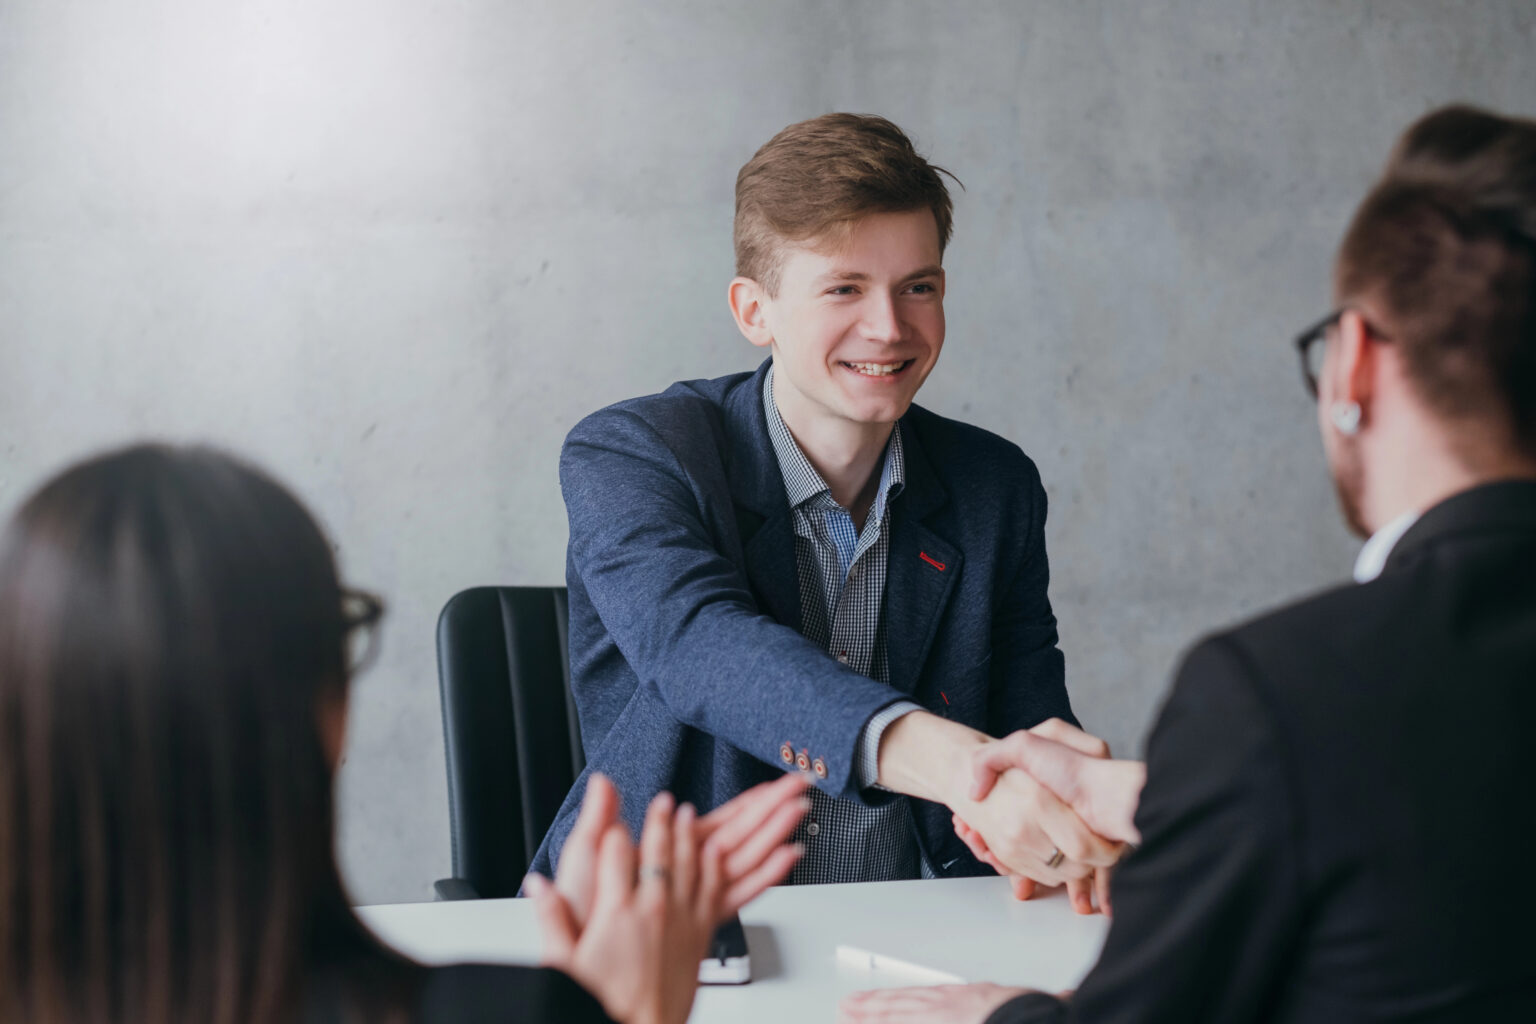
762, 509
921, 571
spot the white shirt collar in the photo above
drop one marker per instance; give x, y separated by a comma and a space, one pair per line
1373, 557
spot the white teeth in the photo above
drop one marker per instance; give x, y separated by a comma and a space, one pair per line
877, 369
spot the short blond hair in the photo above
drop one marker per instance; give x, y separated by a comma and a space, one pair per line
819, 176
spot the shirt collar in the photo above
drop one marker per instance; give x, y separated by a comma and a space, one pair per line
802, 482
1373, 557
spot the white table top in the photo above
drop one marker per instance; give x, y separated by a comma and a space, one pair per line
968, 927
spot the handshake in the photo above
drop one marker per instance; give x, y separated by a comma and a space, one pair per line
1045, 806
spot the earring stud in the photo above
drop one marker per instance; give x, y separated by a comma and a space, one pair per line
1346, 417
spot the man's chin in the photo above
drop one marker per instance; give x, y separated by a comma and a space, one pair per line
873, 410
881, 417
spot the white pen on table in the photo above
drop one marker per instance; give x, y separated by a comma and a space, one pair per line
863, 959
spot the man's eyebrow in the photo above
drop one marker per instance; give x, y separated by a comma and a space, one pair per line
857, 275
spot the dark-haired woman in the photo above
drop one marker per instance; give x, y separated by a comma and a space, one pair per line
173, 688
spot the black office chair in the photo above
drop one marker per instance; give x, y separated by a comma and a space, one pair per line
509, 726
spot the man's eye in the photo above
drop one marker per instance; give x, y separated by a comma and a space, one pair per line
924, 288
844, 289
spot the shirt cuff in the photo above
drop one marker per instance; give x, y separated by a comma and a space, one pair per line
866, 768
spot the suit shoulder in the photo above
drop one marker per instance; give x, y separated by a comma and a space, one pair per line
1289, 652
680, 416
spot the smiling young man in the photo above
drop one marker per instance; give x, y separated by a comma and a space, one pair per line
798, 569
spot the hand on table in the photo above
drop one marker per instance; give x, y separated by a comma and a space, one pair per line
933, 1004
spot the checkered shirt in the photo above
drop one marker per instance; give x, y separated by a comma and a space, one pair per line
842, 588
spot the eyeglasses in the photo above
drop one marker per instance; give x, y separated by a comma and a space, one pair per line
1312, 352
360, 615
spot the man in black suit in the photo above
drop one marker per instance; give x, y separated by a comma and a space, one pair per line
1337, 799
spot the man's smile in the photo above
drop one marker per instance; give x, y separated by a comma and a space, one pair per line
877, 369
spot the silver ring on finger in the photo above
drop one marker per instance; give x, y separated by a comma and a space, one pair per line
656, 871
1056, 858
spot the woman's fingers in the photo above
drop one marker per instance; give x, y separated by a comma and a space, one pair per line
712, 886
656, 849
557, 926
738, 818
762, 841
745, 889
615, 871
685, 854
575, 873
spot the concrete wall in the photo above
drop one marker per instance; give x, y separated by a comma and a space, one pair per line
394, 250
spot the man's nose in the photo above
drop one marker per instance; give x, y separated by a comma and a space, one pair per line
881, 321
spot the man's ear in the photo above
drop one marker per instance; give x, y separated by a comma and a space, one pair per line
749, 306
1354, 368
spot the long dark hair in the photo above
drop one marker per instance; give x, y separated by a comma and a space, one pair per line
171, 626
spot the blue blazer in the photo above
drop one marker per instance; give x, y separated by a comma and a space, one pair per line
687, 666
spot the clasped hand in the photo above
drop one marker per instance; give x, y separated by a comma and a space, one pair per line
1045, 807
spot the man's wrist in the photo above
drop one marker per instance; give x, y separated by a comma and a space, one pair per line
926, 756
867, 759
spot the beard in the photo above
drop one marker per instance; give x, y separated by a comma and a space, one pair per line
1349, 483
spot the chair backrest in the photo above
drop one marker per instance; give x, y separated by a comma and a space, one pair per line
509, 726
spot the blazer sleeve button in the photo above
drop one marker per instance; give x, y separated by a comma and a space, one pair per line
820, 768
803, 761
787, 754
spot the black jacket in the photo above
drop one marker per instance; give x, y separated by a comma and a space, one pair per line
483, 994
468, 994
1339, 804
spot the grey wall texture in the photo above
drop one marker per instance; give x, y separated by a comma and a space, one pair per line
393, 250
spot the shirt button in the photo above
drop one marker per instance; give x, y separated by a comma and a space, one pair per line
842, 656
813, 829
